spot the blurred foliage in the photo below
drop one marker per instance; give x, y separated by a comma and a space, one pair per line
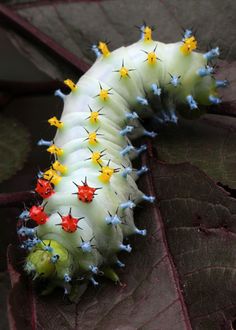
14, 146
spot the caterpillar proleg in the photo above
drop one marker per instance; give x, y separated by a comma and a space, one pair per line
90, 191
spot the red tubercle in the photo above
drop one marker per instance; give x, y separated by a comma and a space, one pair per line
44, 188
85, 192
69, 223
37, 214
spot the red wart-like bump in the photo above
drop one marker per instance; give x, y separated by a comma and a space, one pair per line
69, 223
44, 188
85, 192
37, 214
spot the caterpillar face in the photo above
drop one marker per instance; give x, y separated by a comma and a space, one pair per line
89, 190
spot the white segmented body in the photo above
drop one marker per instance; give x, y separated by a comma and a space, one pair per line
108, 219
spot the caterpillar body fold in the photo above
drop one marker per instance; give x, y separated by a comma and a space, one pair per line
90, 189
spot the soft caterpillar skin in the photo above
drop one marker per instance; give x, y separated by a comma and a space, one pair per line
90, 190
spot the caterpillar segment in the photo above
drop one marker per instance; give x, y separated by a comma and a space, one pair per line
89, 191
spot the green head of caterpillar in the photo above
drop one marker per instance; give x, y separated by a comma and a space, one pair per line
48, 259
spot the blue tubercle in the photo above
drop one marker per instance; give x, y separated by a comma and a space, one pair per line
48, 248
30, 243
126, 130
142, 27
128, 170
187, 34
127, 205
142, 170
126, 248
175, 80
55, 258
142, 100
24, 215
94, 282
149, 199
214, 100
59, 93
213, 53
173, 117
205, 71
86, 247
67, 278
24, 231
155, 89
150, 134
43, 142
40, 174
142, 232
142, 148
131, 115
120, 264
113, 220
96, 51
222, 83
94, 269
191, 102
126, 150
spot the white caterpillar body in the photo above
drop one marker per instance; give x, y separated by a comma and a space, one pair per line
119, 98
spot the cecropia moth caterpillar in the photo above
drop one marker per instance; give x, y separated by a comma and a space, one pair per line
89, 191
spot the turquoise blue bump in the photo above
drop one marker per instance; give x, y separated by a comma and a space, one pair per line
126, 248
191, 102
213, 53
128, 170
128, 129
205, 71
214, 100
142, 100
59, 93
43, 142
126, 150
155, 89
142, 170
127, 205
149, 199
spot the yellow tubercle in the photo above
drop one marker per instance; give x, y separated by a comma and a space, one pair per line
53, 149
57, 166
71, 85
92, 138
102, 46
104, 94
147, 33
189, 45
94, 117
106, 173
55, 122
124, 72
152, 58
96, 157
52, 176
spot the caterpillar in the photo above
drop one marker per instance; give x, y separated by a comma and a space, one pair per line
89, 191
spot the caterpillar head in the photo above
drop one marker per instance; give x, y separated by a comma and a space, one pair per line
38, 263
48, 259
